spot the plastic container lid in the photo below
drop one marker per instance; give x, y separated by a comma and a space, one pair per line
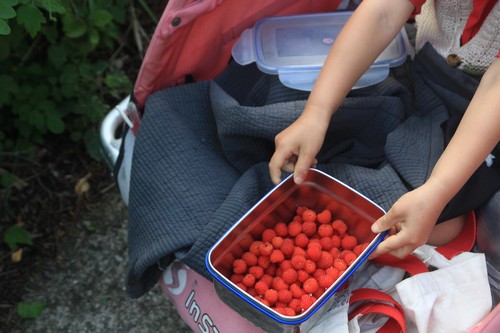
295, 47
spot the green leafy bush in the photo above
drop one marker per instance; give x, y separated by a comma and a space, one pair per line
56, 74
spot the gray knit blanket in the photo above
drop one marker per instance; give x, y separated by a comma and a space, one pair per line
201, 155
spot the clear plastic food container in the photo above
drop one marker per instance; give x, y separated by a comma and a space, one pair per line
295, 48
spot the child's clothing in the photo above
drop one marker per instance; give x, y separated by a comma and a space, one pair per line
463, 32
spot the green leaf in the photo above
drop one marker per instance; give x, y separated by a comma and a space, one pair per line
15, 235
54, 122
57, 55
6, 179
94, 37
73, 27
31, 18
9, 87
36, 119
91, 140
4, 47
31, 310
52, 6
4, 27
100, 18
6, 10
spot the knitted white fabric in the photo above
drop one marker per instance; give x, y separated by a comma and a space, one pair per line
441, 22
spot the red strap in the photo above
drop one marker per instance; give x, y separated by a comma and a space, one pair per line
377, 303
463, 242
410, 264
364, 294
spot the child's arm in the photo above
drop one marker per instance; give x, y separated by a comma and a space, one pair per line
415, 213
373, 25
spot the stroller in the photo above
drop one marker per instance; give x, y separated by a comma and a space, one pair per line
190, 56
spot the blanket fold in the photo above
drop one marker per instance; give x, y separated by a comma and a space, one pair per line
201, 158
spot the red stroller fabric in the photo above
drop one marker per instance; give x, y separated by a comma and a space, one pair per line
194, 38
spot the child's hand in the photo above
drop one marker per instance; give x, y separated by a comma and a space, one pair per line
297, 147
412, 219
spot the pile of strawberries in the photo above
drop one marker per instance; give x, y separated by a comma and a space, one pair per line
292, 264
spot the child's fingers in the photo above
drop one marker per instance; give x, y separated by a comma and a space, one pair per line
277, 161
381, 224
394, 245
304, 162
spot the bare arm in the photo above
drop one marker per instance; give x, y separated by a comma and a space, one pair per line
373, 25
416, 212
476, 136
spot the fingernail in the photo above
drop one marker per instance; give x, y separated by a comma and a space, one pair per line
376, 228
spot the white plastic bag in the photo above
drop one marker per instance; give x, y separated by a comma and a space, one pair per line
452, 298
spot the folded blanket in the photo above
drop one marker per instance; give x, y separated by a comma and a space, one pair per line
201, 157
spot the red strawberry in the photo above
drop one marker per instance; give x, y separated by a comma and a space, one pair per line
288, 311
296, 290
325, 230
306, 301
309, 228
290, 275
325, 261
324, 217
263, 262
336, 241
255, 247
333, 272
339, 264
287, 247
302, 275
248, 280
310, 266
271, 295
239, 266
268, 235
256, 271
261, 287
277, 256
294, 228
249, 258
285, 296
339, 226
279, 284
349, 258
300, 210
349, 242
277, 242
325, 280
298, 262
266, 249
301, 240
310, 285
309, 215
295, 305
281, 229
358, 249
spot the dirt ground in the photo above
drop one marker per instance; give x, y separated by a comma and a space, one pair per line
85, 292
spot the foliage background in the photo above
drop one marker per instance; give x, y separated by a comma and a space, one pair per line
63, 65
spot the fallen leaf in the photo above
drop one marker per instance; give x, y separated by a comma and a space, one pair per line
15, 235
89, 225
82, 185
17, 255
30, 310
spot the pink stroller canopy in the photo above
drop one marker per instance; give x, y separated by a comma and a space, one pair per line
194, 38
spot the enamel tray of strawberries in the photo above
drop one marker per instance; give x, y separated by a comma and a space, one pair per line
282, 264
